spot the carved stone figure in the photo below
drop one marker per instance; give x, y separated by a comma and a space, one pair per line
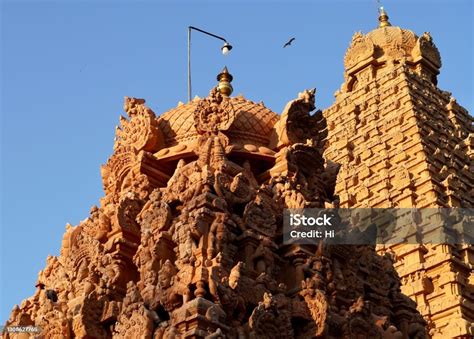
187, 241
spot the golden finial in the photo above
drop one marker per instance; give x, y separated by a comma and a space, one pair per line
383, 18
224, 86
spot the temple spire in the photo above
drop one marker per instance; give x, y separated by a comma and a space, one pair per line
224, 86
383, 18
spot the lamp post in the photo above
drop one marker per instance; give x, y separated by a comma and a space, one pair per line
225, 50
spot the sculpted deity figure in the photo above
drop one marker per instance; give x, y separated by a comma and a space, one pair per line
184, 234
263, 257
218, 236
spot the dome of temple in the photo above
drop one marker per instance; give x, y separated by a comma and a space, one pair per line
389, 42
253, 123
396, 41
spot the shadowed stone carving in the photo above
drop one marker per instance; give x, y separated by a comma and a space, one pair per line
187, 243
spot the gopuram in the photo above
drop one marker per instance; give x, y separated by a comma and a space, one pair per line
401, 143
187, 241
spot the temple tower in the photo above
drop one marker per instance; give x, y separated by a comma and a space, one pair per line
186, 242
402, 142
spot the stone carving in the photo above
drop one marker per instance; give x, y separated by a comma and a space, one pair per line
396, 88
271, 319
388, 46
141, 132
256, 214
201, 255
361, 49
213, 114
425, 47
317, 304
135, 321
296, 125
155, 214
115, 172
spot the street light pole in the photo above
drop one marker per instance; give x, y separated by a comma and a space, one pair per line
225, 50
189, 63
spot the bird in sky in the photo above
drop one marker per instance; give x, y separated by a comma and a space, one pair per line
288, 43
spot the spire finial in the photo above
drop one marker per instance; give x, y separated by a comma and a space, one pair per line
224, 86
383, 18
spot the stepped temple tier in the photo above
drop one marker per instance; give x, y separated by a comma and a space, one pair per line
187, 241
402, 142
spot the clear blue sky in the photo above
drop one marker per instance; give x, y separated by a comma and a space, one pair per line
66, 66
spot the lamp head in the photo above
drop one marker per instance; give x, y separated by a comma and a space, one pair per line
226, 48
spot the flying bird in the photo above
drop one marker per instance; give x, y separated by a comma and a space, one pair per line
288, 43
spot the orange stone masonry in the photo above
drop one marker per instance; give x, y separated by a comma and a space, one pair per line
187, 241
402, 142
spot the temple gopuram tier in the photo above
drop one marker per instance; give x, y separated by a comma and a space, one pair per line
187, 241
402, 143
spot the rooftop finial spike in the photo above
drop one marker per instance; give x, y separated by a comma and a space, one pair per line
224, 86
383, 18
